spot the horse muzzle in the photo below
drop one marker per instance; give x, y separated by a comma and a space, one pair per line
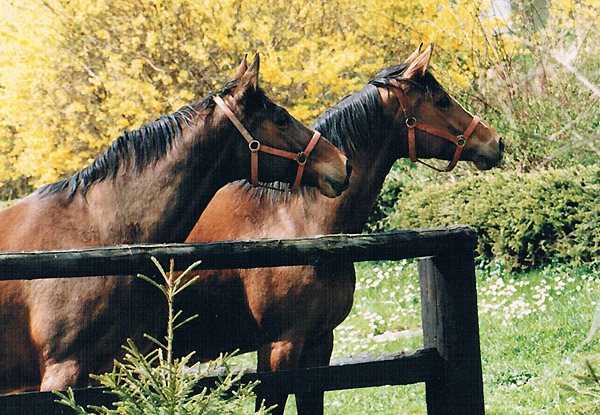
333, 185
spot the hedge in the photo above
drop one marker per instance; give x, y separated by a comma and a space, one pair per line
523, 220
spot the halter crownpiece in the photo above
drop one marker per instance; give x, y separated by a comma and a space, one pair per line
255, 146
459, 140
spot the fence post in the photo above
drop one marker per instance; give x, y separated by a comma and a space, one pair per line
450, 324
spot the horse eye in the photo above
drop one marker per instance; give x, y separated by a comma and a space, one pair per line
443, 103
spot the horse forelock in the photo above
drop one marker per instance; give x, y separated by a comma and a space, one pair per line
136, 148
384, 79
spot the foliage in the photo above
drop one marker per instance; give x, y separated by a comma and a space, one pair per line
7, 203
542, 85
73, 74
158, 383
522, 220
585, 385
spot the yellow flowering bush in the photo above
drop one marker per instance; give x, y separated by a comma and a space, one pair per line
75, 73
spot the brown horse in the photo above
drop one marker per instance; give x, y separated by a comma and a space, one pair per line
288, 314
150, 185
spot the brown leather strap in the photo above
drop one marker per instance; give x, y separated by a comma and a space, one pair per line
460, 144
412, 124
255, 146
437, 132
303, 158
254, 168
219, 101
471, 127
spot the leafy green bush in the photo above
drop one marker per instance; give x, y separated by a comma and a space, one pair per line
523, 220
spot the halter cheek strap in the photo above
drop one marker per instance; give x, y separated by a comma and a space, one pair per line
255, 146
459, 140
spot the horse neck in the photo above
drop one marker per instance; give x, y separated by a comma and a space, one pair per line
162, 202
351, 210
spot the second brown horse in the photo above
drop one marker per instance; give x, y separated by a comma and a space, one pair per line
288, 314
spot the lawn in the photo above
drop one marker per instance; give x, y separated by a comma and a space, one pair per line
534, 330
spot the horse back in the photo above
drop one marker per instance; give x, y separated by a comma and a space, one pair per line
47, 223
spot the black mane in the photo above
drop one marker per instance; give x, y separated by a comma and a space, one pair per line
351, 125
383, 79
140, 147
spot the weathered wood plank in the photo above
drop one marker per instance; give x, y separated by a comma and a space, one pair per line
391, 369
396, 369
133, 259
450, 324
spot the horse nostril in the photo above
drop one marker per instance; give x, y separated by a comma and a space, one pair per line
348, 168
501, 144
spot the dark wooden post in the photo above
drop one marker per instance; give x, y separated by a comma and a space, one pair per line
450, 324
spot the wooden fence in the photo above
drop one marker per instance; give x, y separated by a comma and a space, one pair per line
449, 363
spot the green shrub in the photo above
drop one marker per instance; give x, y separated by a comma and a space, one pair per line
158, 383
523, 220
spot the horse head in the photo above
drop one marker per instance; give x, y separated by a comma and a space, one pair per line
277, 141
434, 124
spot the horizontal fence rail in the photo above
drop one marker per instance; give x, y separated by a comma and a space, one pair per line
449, 364
133, 259
391, 369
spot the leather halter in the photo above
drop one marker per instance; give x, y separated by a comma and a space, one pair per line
459, 140
255, 146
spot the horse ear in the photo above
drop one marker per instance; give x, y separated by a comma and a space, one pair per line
241, 70
418, 67
414, 55
249, 81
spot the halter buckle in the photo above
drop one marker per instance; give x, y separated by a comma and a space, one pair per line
411, 122
254, 146
301, 159
460, 141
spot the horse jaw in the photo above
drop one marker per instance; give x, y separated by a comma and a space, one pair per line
331, 187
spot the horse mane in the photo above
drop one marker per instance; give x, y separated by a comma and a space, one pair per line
383, 79
348, 125
142, 147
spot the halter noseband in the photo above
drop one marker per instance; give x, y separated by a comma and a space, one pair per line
412, 124
255, 146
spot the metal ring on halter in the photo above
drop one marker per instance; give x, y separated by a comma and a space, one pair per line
254, 145
301, 159
412, 124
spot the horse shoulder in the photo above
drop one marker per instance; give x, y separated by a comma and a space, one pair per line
16, 223
231, 214
47, 222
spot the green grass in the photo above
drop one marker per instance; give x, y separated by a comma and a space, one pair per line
528, 353
534, 330
532, 325
386, 317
